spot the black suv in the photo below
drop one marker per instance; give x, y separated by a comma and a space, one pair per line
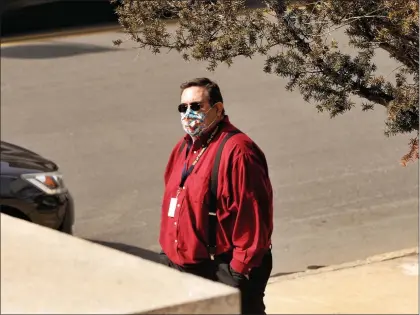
32, 189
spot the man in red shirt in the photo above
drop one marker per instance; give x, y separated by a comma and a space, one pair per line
217, 208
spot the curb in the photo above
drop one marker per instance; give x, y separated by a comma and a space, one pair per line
357, 263
42, 36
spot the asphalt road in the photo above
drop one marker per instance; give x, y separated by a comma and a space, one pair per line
108, 117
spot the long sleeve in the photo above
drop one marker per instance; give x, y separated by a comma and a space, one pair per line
252, 200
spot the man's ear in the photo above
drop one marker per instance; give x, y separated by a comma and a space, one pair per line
219, 108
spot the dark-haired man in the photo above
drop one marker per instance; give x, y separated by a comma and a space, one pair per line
217, 209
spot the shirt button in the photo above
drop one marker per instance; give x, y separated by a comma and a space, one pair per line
176, 241
178, 205
174, 223
195, 152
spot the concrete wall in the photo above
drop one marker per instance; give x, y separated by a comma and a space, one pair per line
44, 271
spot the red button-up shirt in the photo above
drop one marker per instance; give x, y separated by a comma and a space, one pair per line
244, 202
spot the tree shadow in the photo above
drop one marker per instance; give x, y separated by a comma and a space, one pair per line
129, 249
51, 50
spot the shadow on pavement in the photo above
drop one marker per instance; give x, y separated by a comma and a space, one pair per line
51, 50
314, 267
279, 274
311, 267
129, 249
153, 256
51, 16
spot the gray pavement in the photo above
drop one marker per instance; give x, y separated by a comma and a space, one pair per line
108, 117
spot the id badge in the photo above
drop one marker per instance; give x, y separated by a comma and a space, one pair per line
172, 207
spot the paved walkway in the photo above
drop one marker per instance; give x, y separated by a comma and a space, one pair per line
376, 287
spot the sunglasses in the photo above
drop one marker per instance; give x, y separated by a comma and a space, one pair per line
195, 106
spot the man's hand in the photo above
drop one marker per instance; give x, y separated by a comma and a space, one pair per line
237, 274
225, 274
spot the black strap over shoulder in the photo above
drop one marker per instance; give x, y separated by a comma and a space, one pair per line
213, 194
181, 147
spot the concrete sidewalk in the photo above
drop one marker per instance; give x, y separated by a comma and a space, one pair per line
384, 284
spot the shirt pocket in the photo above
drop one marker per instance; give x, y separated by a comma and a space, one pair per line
197, 189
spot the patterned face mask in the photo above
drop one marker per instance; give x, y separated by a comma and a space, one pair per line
193, 122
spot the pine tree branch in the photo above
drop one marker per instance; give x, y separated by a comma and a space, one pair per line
357, 88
